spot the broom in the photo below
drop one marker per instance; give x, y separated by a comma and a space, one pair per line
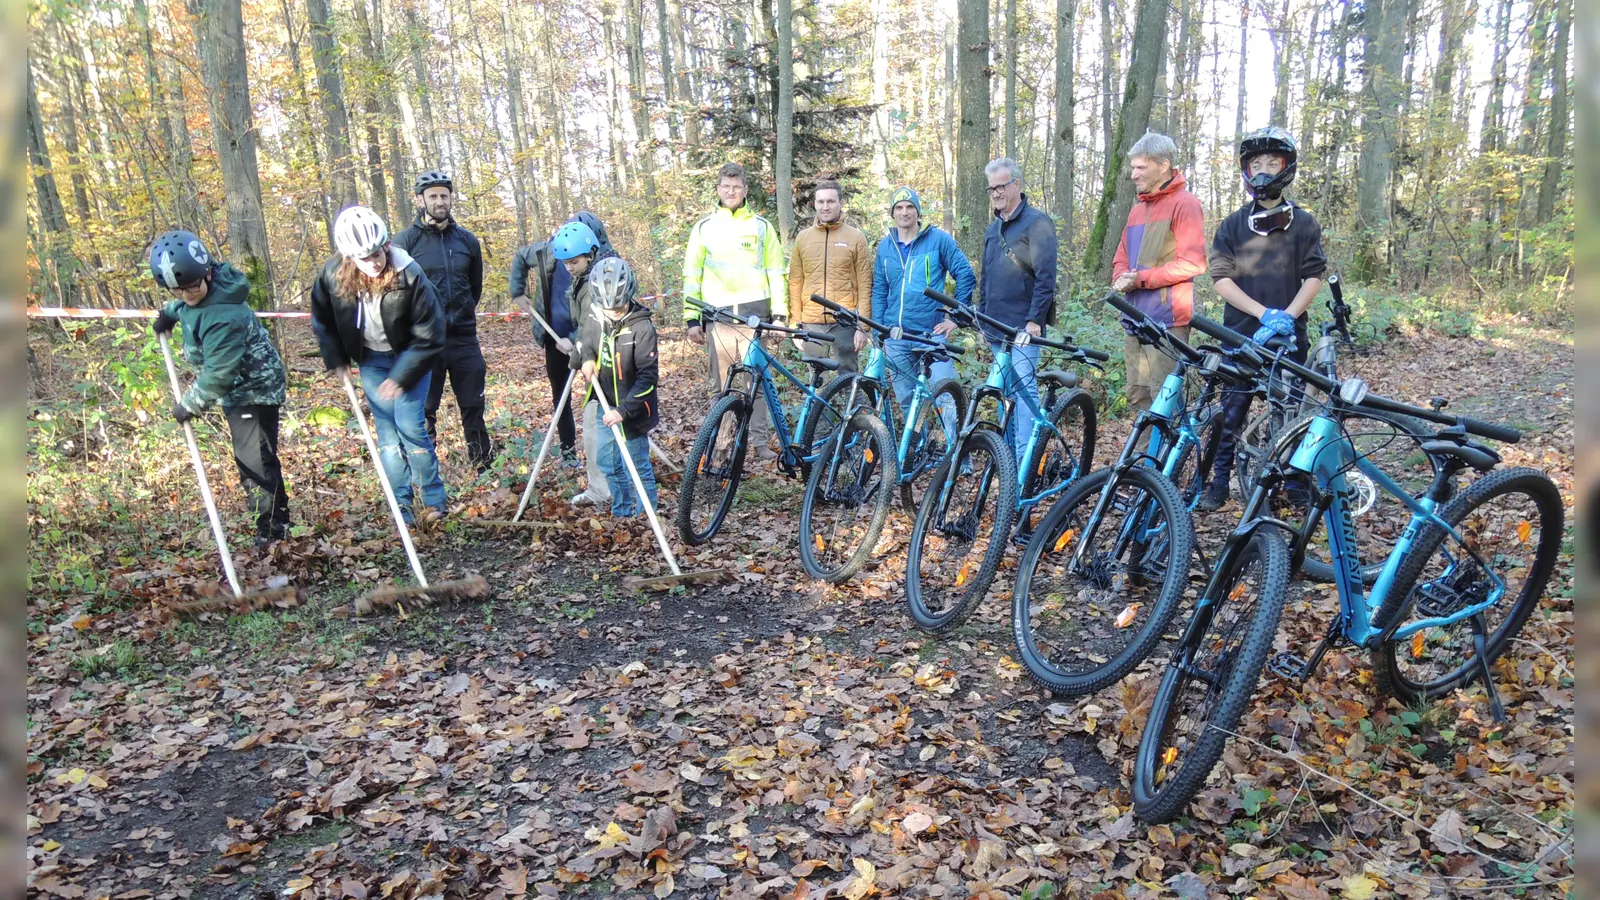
466, 588
241, 600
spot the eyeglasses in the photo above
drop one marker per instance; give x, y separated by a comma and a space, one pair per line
1266, 221
995, 189
189, 290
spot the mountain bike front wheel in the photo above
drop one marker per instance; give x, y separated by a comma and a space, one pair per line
963, 527
1513, 520
1083, 620
932, 435
1211, 677
847, 498
1066, 453
713, 470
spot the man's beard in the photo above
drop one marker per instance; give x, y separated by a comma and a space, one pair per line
439, 213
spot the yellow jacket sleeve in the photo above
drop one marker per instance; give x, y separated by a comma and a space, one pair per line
773, 264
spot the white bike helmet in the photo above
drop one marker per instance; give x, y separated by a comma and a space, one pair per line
614, 284
359, 232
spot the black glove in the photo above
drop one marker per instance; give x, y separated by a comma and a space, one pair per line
181, 413
164, 323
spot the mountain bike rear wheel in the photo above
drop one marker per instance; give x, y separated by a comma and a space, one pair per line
1066, 453
963, 528
847, 498
932, 435
1513, 519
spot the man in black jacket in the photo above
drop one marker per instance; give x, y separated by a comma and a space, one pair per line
453, 260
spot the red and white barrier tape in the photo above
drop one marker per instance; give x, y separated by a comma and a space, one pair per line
89, 312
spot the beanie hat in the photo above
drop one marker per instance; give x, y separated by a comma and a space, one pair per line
905, 195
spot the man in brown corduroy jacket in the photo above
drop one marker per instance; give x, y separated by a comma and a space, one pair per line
832, 259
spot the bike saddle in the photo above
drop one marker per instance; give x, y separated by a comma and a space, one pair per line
1474, 454
1066, 381
827, 365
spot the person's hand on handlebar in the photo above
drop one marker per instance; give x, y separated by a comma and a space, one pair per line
1274, 322
944, 327
695, 334
1035, 329
862, 339
1125, 282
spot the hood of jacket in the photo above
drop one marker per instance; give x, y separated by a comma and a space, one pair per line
1174, 184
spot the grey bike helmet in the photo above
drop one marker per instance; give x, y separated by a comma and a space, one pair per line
614, 284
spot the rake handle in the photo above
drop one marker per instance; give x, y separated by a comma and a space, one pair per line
549, 434
383, 478
638, 486
200, 474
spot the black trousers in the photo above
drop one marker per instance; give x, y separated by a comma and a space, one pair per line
1236, 414
254, 430
462, 361
558, 366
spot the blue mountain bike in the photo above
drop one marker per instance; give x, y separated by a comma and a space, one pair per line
980, 500
1461, 581
845, 509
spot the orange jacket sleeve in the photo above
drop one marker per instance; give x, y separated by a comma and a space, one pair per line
797, 281
1189, 237
864, 260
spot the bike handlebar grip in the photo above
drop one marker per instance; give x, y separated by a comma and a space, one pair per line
1096, 355
1227, 336
1491, 430
827, 304
1121, 305
1337, 287
815, 336
940, 298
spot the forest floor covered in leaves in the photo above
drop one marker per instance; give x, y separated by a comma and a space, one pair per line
770, 737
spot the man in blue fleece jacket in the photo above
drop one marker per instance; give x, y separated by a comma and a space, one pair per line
913, 256
1018, 284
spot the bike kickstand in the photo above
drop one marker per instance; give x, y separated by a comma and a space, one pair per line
1480, 646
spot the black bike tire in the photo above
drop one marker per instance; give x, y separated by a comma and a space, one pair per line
958, 394
703, 444
1531, 482
1170, 799
866, 420
1181, 542
1087, 434
1005, 517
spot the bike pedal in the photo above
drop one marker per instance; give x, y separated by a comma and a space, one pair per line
1436, 600
1288, 666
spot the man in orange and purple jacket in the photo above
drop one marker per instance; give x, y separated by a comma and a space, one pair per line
1163, 248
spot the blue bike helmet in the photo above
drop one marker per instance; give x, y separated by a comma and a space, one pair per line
574, 239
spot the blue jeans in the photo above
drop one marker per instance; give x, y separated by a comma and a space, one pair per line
402, 422
624, 499
1024, 365
903, 368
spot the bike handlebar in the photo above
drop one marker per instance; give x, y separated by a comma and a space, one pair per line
729, 318
1012, 332
891, 332
1232, 338
1140, 317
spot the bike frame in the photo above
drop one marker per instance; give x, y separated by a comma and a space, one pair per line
758, 365
1001, 384
879, 369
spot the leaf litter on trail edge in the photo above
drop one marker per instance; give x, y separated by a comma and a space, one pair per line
830, 735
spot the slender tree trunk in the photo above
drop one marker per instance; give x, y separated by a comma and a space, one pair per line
52, 215
1383, 36
304, 120
1179, 84
1556, 149
1011, 78
879, 97
1282, 49
220, 33
1244, 69
1116, 196
1108, 77
947, 150
330, 84
972, 146
1065, 124
784, 168
426, 130
169, 120
520, 185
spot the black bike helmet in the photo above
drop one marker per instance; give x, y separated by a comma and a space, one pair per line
432, 178
179, 259
1271, 139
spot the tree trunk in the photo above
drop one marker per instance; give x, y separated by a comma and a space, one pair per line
947, 151
972, 146
1116, 195
220, 33
1108, 77
1282, 34
1383, 35
879, 97
1244, 68
784, 168
330, 85
1011, 79
52, 215
170, 120
1065, 124
426, 130
1492, 137
1556, 145
1180, 84
304, 120
521, 185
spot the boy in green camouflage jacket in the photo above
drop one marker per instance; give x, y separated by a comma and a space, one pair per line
237, 364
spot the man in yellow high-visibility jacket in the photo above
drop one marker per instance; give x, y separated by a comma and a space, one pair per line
734, 261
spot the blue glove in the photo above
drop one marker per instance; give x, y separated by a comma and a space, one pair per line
1273, 323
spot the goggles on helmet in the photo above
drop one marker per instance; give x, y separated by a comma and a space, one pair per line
1277, 218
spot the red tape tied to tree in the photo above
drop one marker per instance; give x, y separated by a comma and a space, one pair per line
89, 312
